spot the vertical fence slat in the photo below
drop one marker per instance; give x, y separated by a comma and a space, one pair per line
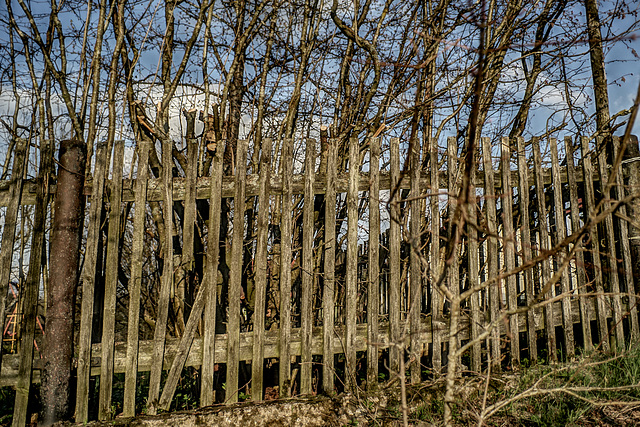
585, 317
601, 311
257, 364
626, 249
373, 293
31, 292
436, 297
235, 288
328, 294
394, 258
88, 285
166, 286
9, 229
155, 376
306, 313
523, 195
415, 282
560, 234
612, 258
543, 224
135, 281
492, 252
453, 273
211, 273
473, 273
111, 285
352, 261
285, 270
190, 205
508, 244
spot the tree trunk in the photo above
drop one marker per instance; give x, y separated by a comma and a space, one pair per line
65, 250
597, 69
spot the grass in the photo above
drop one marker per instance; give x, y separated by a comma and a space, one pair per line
564, 395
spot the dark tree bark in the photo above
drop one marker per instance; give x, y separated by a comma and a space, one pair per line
65, 254
597, 69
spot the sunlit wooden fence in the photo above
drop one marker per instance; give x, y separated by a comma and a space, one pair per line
343, 286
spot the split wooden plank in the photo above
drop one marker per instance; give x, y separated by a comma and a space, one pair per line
286, 158
559, 235
328, 294
437, 299
257, 364
211, 278
623, 226
167, 283
88, 285
135, 281
415, 282
111, 285
581, 280
508, 244
9, 227
31, 290
397, 340
601, 310
235, 287
352, 262
373, 291
492, 253
612, 258
543, 234
183, 349
477, 323
308, 233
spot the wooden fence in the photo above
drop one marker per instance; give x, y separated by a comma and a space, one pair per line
344, 287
